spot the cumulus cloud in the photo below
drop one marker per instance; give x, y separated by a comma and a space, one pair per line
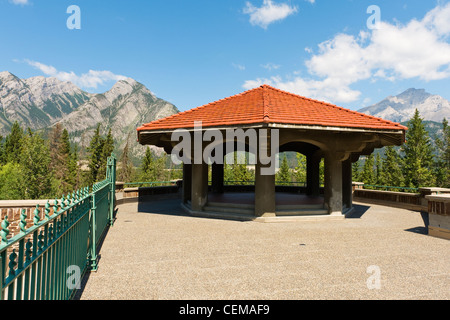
90, 80
268, 13
419, 49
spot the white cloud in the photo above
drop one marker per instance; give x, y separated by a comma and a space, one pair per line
419, 49
238, 66
90, 80
271, 66
268, 13
20, 2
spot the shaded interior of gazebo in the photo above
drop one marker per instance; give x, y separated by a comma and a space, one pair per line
315, 129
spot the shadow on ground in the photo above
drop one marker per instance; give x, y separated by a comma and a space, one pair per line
358, 211
421, 229
160, 205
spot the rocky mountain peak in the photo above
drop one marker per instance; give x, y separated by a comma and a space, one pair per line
401, 107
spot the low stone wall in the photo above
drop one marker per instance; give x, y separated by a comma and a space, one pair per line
439, 216
410, 201
127, 195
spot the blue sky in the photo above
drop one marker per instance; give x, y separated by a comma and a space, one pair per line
194, 52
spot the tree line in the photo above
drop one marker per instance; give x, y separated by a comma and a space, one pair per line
417, 163
36, 167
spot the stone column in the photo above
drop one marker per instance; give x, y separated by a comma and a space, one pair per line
217, 175
187, 182
333, 184
347, 184
313, 175
199, 192
264, 183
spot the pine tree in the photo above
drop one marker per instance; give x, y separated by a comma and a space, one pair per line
300, 169
392, 168
283, 176
355, 171
368, 174
126, 169
378, 170
418, 155
442, 165
35, 160
107, 150
13, 144
95, 156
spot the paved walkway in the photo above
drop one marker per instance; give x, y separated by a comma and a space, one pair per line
155, 251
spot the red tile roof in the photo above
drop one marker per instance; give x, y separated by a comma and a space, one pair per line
266, 104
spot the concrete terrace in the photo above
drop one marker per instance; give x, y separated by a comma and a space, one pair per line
156, 251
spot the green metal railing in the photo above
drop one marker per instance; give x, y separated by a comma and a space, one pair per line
47, 260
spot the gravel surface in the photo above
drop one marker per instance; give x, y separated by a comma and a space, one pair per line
155, 251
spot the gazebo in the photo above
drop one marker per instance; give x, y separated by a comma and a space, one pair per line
313, 128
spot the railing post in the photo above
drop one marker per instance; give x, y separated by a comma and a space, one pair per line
112, 190
93, 240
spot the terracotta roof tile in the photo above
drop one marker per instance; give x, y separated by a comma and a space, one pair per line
266, 104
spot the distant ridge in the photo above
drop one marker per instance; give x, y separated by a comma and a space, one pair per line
401, 108
40, 103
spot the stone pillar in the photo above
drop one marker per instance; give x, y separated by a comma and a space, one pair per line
187, 182
264, 193
313, 175
217, 175
347, 194
199, 192
333, 184
265, 180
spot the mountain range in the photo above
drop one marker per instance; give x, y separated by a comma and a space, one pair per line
40, 103
401, 108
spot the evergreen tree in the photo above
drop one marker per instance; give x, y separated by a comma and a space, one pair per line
392, 168
418, 155
241, 172
13, 144
35, 160
95, 156
300, 169
284, 175
152, 168
442, 165
355, 171
378, 171
107, 150
126, 168
368, 174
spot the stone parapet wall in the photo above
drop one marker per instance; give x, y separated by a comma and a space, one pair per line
439, 215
